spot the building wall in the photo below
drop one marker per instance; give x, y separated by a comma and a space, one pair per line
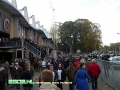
12, 29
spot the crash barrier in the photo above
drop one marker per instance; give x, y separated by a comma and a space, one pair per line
110, 72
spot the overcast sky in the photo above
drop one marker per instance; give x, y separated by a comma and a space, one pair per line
104, 12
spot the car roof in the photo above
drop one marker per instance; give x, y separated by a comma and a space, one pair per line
116, 56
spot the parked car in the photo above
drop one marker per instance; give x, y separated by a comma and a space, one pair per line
116, 61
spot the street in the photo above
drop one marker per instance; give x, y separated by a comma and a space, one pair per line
102, 85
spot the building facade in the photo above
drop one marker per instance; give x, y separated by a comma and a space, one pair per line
17, 37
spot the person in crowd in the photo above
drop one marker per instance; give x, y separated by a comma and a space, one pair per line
80, 78
94, 70
17, 73
61, 75
47, 76
2, 77
31, 72
26, 75
6, 66
55, 74
39, 65
11, 67
70, 73
31, 69
76, 63
48, 64
44, 63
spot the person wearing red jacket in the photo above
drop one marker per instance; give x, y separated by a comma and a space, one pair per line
94, 71
76, 63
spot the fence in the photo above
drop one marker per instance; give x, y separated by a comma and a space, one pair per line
21, 43
110, 73
32, 49
11, 43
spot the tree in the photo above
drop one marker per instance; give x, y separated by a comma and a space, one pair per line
114, 47
54, 34
86, 35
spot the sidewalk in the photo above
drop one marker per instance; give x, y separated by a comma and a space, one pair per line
102, 85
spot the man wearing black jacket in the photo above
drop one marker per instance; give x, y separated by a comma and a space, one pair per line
27, 76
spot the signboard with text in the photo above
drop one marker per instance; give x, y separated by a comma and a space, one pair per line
5, 23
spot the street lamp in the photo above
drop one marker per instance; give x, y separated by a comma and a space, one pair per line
38, 23
118, 33
71, 45
119, 44
30, 17
21, 9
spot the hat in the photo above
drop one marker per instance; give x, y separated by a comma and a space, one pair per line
93, 60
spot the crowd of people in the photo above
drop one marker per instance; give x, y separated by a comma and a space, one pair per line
17, 41
10, 41
73, 67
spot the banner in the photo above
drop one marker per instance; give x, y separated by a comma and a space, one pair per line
24, 33
31, 34
18, 31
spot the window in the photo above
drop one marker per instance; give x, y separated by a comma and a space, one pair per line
116, 59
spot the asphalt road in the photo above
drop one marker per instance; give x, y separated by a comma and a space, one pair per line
102, 85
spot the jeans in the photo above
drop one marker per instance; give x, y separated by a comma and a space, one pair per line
60, 85
2, 85
7, 78
12, 85
94, 82
27, 88
17, 86
38, 68
71, 86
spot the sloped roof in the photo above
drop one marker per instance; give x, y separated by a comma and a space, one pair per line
15, 13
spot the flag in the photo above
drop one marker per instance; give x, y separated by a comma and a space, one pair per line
24, 33
31, 35
20, 32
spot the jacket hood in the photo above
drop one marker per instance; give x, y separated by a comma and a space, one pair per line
71, 67
1, 68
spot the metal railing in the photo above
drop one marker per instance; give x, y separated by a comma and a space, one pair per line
110, 73
32, 49
21, 43
17, 43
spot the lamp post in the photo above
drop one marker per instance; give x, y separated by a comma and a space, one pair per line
21, 9
65, 48
71, 44
119, 44
30, 17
